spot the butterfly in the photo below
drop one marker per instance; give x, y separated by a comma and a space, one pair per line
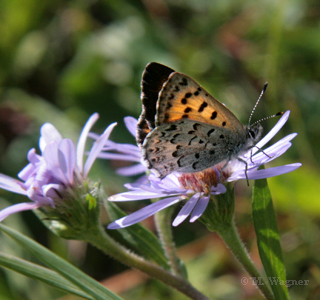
183, 128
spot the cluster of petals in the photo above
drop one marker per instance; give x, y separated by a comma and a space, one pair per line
59, 166
171, 191
124, 152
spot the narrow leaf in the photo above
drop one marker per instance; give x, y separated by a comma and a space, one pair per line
139, 238
61, 266
40, 273
265, 224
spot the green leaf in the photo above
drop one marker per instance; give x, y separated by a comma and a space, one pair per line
139, 238
40, 273
61, 266
265, 224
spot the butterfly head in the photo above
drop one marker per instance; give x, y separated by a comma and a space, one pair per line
253, 133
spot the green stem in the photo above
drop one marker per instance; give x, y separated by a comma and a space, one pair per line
231, 237
104, 242
164, 228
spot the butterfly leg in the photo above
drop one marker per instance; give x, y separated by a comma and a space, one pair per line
246, 170
261, 151
221, 170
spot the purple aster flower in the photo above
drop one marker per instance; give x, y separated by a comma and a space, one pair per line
197, 187
125, 152
60, 168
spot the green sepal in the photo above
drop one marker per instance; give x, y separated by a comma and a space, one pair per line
265, 225
220, 210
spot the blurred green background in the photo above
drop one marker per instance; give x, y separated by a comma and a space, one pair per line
60, 61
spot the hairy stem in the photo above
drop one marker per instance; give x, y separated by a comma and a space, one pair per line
109, 246
164, 228
231, 237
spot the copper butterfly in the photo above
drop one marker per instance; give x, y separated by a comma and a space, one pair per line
183, 128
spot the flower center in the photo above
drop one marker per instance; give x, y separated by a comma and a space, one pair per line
200, 181
203, 181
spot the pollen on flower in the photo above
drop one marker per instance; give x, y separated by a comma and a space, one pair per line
200, 181
203, 181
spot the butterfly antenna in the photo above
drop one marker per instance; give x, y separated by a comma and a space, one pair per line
267, 118
255, 106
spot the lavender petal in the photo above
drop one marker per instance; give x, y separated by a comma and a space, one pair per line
132, 170
199, 208
17, 208
116, 156
11, 184
67, 159
144, 213
186, 210
271, 172
96, 148
82, 139
137, 195
131, 124
48, 134
272, 132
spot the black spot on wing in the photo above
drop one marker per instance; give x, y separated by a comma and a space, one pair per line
202, 106
214, 115
191, 140
175, 154
210, 132
173, 140
179, 161
183, 82
172, 127
197, 92
196, 126
194, 165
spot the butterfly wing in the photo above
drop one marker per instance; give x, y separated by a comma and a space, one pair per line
153, 78
185, 128
188, 146
183, 98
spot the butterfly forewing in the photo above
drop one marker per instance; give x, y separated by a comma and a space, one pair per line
153, 78
183, 98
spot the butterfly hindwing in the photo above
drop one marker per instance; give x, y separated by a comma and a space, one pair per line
187, 146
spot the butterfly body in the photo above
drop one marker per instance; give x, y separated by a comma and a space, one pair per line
183, 128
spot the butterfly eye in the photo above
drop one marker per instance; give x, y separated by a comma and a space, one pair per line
252, 134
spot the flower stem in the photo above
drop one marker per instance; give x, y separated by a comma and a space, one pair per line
104, 242
164, 228
231, 237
